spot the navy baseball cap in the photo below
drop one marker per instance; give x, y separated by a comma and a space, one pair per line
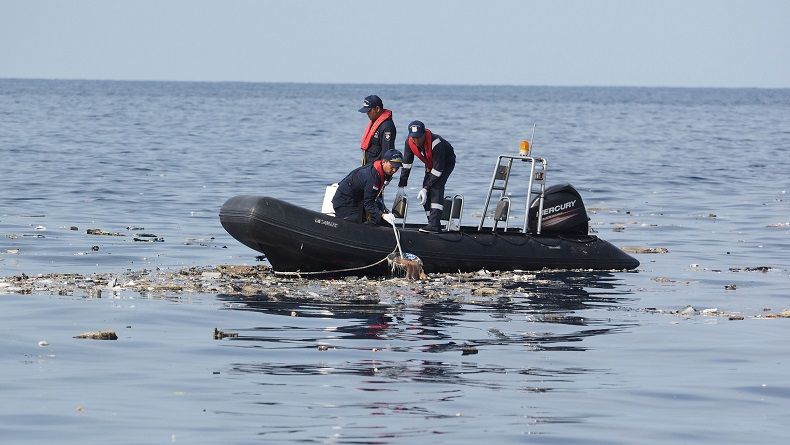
416, 129
395, 157
371, 101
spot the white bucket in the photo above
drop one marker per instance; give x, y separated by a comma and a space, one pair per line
327, 207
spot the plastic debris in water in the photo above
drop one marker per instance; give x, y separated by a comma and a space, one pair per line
98, 335
409, 264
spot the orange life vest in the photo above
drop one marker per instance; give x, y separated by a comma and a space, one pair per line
380, 170
370, 130
427, 159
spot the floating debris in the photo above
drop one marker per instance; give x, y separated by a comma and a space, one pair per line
484, 291
762, 269
408, 264
43, 343
148, 238
688, 310
667, 280
730, 287
783, 314
102, 232
219, 335
98, 335
635, 249
211, 275
468, 350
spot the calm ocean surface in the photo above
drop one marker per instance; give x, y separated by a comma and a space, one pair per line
574, 358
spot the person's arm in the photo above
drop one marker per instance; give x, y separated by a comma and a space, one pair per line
387, 136
370, 198
408, 161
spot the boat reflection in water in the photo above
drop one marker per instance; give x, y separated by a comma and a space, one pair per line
549, 313
378, 368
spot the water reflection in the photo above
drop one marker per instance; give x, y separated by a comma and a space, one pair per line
394, 365
520, 316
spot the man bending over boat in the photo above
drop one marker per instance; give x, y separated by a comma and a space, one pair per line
379, 135
439, 158
358, 197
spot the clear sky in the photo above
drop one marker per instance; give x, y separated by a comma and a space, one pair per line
715, 43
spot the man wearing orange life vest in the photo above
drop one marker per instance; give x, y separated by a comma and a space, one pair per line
439, 158
379, 135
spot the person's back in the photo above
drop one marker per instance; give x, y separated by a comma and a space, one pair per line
350, 192
358, 195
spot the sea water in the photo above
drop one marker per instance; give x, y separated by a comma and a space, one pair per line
572, 357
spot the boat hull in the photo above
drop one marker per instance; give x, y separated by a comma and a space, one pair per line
297, 239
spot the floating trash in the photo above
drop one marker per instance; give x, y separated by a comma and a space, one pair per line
636, 249
102, 232
219, 335
98, 335
148, 238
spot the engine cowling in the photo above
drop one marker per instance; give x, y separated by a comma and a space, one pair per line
563, 212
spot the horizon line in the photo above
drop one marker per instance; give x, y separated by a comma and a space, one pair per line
75, 79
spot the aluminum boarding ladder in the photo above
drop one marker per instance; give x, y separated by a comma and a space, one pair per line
499, 181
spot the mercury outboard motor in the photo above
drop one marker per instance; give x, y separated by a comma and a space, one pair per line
563, 212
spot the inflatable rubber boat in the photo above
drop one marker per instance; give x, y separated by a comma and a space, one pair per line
554, 233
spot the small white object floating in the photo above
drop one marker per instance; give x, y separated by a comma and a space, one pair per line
43, 343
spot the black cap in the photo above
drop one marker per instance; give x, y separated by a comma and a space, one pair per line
394, 156
416, 129
371, 101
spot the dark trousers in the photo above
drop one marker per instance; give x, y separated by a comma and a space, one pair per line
351, 213
356, 212
434, 205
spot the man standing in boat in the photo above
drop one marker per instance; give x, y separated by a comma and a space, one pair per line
379, 135
439, 158
358, 195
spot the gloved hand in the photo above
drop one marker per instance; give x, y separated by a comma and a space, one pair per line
389, 217
401, 192
422, 196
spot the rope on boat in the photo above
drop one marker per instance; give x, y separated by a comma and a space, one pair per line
350, 269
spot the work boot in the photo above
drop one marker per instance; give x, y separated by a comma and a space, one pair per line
430, 229
434, 220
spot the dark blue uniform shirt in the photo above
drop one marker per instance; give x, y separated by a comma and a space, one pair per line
358, 196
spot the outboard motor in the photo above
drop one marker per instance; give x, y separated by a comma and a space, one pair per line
563, 212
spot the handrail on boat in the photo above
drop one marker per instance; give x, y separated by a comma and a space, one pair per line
536, 187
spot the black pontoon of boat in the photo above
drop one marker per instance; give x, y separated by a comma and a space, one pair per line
554, 234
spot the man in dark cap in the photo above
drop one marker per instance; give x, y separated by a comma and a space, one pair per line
439, 158
379, 135
358, 195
